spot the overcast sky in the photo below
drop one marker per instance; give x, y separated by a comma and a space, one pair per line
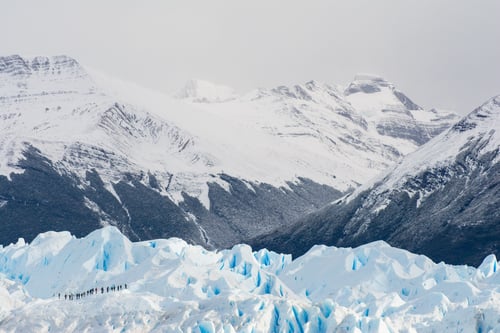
441, 53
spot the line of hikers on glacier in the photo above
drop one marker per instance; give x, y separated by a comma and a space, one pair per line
92, 291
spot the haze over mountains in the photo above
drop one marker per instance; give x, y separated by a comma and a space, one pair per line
80, 150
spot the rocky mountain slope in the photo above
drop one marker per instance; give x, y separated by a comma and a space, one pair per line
80, 150
443, 200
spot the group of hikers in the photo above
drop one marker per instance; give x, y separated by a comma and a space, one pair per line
92, 291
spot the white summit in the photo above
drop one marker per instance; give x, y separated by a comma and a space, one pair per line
201, 91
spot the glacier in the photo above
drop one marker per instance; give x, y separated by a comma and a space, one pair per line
177, 287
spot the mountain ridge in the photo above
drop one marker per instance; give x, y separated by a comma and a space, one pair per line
441, 200
241, 165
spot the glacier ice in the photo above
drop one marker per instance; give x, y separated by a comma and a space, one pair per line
177, 287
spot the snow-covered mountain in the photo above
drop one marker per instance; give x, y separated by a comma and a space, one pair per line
201, 91
442, 200
392, 112
176, 287
79, 150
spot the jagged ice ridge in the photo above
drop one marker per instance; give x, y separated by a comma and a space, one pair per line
178, 287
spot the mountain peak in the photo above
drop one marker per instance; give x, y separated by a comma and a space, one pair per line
487, 115
16, 65
370, 84
488, 111
369, 77
201, 91
367, 83
311, 90
42, 75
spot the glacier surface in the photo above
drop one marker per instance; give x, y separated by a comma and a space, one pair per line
176, 287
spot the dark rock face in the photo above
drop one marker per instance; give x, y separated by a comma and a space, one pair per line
41, 199
368, 85
407, 102
242, 213
458, 222
14, 65
400, 124
151, 215
17, 66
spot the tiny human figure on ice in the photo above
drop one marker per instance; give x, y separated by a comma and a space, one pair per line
92, 291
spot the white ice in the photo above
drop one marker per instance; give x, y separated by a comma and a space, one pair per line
176, 287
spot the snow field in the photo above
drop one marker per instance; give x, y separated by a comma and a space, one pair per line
479, 128
81, 120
